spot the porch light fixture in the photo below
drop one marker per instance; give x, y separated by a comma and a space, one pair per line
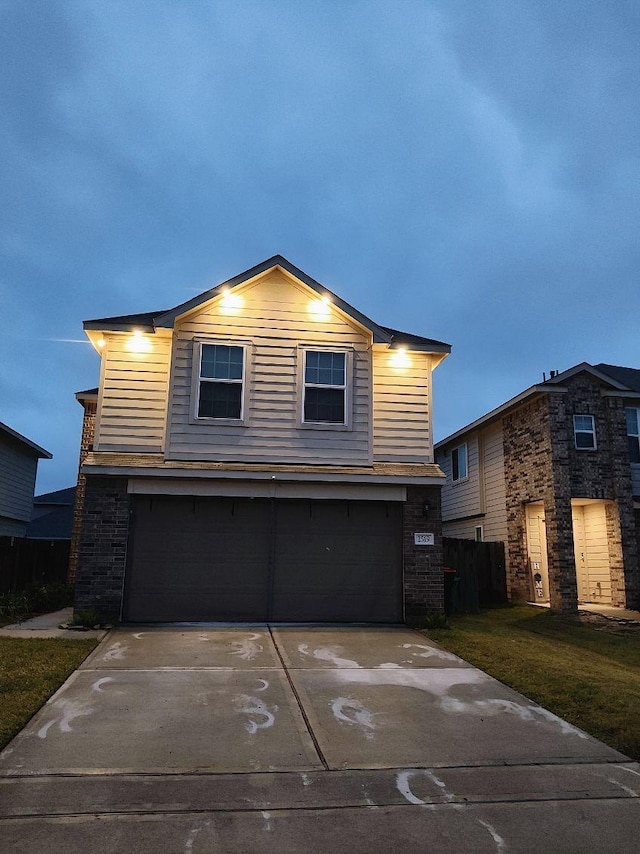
101, 342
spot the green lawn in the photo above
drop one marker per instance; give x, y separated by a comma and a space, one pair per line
586, 675
31, 670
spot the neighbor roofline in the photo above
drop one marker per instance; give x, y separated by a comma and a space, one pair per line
552, 385
530, 393
41, 452
586, 367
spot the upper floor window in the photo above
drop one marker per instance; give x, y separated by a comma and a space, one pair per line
459, 463
633, 433
325, 387
220, 381
584, 432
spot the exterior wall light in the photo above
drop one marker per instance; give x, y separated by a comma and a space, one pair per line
320, 309
400, 358
138, 343
230, 303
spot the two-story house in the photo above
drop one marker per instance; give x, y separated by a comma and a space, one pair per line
18, 468
260, 452
554, 473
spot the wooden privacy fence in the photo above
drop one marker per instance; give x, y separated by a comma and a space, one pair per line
480, 579
25, 562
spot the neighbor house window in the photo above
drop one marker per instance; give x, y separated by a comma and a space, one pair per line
478, 534
584, 432
459, 463
325, 387
220, 381
633, 432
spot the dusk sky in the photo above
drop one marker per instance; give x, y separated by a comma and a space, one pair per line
467, 171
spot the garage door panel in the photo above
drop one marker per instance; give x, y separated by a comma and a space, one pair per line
198, 559
337, 561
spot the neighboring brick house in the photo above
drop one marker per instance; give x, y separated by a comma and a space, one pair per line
554, 473
18, 468
261, 452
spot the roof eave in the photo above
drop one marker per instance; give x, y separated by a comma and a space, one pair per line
41, 452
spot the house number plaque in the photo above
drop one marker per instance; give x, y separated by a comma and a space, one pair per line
424, 539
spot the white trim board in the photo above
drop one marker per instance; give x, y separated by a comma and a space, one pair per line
265, 489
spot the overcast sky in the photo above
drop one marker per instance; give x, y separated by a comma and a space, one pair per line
467, 171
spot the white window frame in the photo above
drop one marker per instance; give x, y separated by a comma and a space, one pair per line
197, 378
591, 432
478, 534
347, 388
460, 479
635, 435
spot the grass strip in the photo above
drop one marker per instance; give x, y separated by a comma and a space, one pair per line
31, 670
586, 675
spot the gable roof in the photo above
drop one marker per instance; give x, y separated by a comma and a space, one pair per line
55, 525
151, 321
629, 377
59, 496
29, 445
610, 374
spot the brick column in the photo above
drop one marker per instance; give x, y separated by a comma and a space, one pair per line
103, 546
563, 590
86, 445
623, 538
423, 579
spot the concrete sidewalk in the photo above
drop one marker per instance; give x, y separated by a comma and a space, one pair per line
288, 739
48, 626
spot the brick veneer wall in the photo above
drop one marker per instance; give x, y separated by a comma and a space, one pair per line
86, 444
103, 546
541, 463
423, 579
606, 474
529, 476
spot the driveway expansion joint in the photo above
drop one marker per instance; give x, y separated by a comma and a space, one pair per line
294, 691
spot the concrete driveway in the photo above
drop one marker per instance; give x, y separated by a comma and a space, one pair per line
307, 739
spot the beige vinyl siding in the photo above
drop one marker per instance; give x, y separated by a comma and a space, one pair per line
495, 498
17, 481
401, 408
273, 320
132, 408
481, 498
464, 529
464, 497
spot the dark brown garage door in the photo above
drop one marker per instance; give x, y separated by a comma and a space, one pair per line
207, 559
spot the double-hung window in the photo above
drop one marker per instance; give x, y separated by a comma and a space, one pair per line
220, 381
584, 432
325, 387
459, 463
633, 433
